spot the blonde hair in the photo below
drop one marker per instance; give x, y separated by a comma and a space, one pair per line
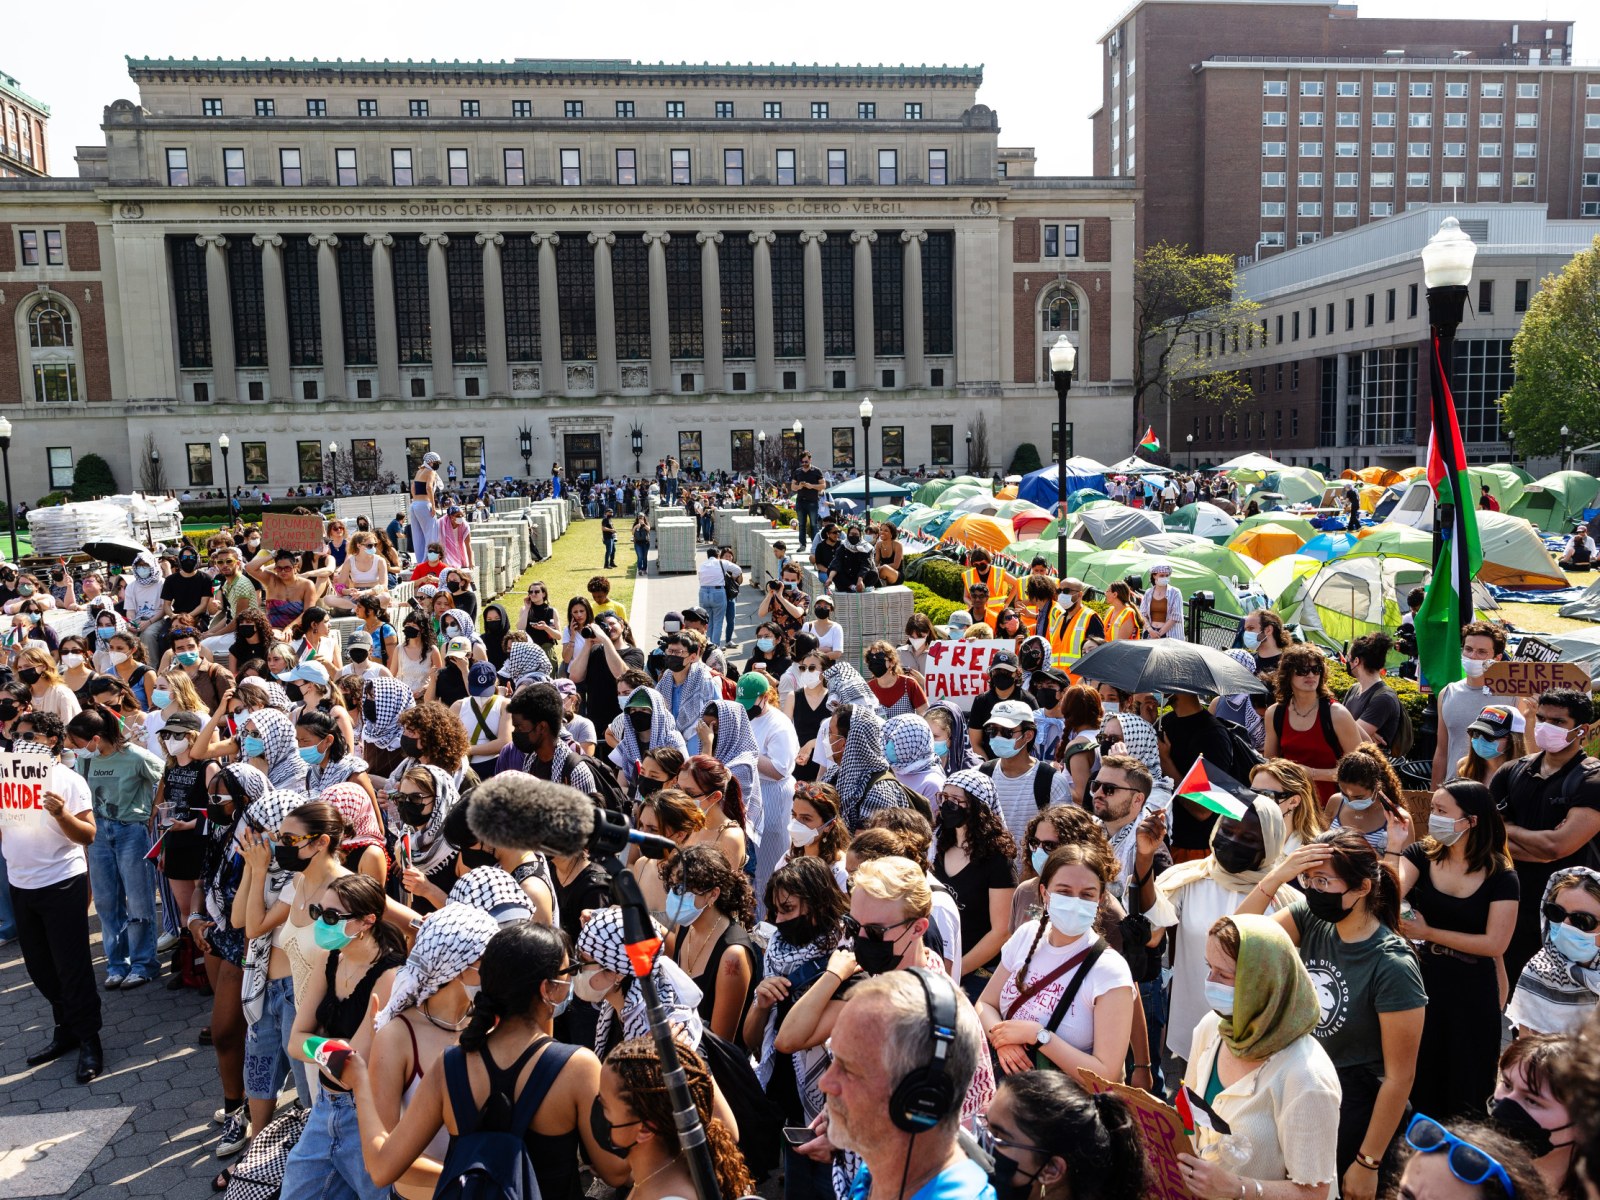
1305, 822
182, 689
896, 879
41, 661
979, 630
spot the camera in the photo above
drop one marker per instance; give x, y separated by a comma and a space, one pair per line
773, 585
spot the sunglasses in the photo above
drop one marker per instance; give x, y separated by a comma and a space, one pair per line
1274, 794
1100, 785
328, 916
872, 933
1556, 915
1467, 1162
297, 839
1036, 844
1308, 671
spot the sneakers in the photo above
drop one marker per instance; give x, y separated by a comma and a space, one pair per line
235, 1132
166, 942
113, 982
132, 981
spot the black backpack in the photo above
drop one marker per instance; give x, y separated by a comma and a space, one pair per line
1043, 778
493, 1163
607, 791
914, 800
1243, 749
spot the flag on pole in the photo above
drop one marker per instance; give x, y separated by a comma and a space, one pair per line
1150, 441
483, 476
1213, 789
1447, 603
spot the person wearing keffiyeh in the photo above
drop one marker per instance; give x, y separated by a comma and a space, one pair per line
1557, 992
1238, 708
366, 832
611, 987
687, 697
662, 732
269, 693
383, 699
450, 940
951, 745
457, 623
495, 892
278, 750
908, 747
846, 686
524, 659
733, 744
862, 776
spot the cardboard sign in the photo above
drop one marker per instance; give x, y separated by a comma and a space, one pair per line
1161, 1131
1524, 677
290, 531
23, 779
958, 671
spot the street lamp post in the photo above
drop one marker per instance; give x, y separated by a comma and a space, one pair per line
227, 483
333, 469
1566, 442
525, 445
11, 509
866, 448
637, 435
761, 460
1189, 440
799, 432
1511, 446
969, 449
1063, 357
1446, 272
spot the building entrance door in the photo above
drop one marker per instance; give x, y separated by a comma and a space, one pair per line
583, 456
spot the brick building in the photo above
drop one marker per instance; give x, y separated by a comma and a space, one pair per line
22, 125
1256, 125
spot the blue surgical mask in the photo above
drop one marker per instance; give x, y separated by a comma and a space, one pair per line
681, 908
188, 658
1252, 639
253, 747
1037, 858
1355, 805
310, 755
1160, 699
765, 645
1003, 747
1486, 747
1110, 707
890, 754
1574, 945
1219, 997
160, 697
565, 1002
104, 633
941, 748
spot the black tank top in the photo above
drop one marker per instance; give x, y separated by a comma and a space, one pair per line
807, 724
733, 935
341, 1017
554, 1156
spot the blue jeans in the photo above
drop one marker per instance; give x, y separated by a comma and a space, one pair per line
715, 601
610, 540
8, 919
325, 1163
1153, 996
266, 1061
805, 517
124, 897
641, 554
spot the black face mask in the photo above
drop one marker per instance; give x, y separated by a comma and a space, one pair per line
876, 957
649, 787
797, 931
409, 745
674, 662
288, 858
8, 712
1327, 906
186, 563
522, 741
29, 675
823, 612
1003, 679
218, 814
473, 857
369, 710
1510, 1118
1046, 697
877, 663
1008, 1180
952, 816
600, 1126
412, 633
358, 654
413, 812
639, 718
1031, 658
1235, 857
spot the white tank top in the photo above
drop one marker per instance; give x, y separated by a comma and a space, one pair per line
377, 576
414, 674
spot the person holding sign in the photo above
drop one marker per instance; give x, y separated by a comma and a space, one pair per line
43, 843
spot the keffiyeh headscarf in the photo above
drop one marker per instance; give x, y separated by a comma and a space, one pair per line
450, 941
1555, 994
465, 626
958, 755
265, 809
1138, 738
846, 686
914, 762
524, 659
392, 698
602, 940
494, 891
355, 806
429, 847
276, 698
781, 958
627, 752
737, 750
688, 699
977, 785
861, 762
284, 766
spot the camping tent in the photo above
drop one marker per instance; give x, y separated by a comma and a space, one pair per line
1229, 564
1134, 465
956, 493
971, 529
1556, 500
1514, 555
1297, 485
1040, 486
1267, 541
1207, 520
1110, 525
1352, 596
1084, 497
1382, 476
905, 512
856, 489
1165, 543
932, 490
1279, 575
1506, 483
1250, 466
1286, 520
1400, 540
1104, 567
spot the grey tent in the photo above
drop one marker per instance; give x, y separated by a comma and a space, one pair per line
1109, 525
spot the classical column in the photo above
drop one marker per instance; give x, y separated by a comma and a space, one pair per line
862, 240
444, 375
279, 386
331, 311
761, 278
711, 311
494, 314
1122, 318
812, 241
660, 323
386, 333
916, 374
219, 311
606, 381
552, 370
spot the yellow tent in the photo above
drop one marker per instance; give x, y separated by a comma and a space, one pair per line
1382, 476
1410, 473
1267, 542
1009, 492
992, 533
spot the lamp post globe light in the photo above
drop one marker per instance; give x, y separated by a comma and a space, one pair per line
11, 509
969, 449
865, 411
227, 485
333, 468
1189, 440
761, 461
1511, 446
1063, 358
1446, 271
1566, 441
799, 432
525, 445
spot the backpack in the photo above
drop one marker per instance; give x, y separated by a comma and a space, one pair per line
607, 793
1324, 719
1243, 749
1043, 778
493, 1164
914, 800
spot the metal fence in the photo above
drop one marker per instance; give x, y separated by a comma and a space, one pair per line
1206, 626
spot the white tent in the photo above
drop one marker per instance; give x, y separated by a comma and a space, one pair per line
1134, 465
1258, 463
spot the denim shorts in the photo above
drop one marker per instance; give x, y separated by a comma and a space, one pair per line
266, 1062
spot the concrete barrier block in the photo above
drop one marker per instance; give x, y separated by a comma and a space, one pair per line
867, 617
675, 545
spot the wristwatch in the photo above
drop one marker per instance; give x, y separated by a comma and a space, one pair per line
1044, 1037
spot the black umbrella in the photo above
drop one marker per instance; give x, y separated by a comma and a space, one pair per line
118, 551
1165, 665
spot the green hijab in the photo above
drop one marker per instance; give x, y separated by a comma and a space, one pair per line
1274, 1001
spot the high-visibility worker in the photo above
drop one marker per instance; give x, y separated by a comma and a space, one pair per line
1069, 625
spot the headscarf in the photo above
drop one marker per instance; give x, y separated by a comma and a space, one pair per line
284, 766
915, 764
429, 846
602, 939
491, 889
736, 749
277, 698
392, 698
1273, 833
1139, 738
977, 785
266, 809
524, 659
450, 940
958, 755
1237, 707
465, 625
627, 752
845, 685
325, 775
1274, 1000
355, 806
862, 758
1555, 994
782, 957
688, 699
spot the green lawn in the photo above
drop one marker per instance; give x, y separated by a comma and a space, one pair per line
576, 559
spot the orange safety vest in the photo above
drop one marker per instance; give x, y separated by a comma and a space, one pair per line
1065, 635
1124, 628
1000, 584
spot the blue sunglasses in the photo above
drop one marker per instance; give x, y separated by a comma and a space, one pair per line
1467, 1162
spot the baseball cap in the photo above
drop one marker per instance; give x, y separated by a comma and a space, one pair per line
358, 637
458, 647
752, 686
959, 620
1051, 675
1004, 658
698, 615
183, 722
1009, 714
481, 679
309, 671
672, 622
1498, 721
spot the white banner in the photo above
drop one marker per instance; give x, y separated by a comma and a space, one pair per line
958, 671
23, 778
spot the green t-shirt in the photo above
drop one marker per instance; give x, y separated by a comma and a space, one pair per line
123, 784
1355, 981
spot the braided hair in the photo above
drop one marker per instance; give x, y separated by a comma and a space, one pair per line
1102, 864
516, 964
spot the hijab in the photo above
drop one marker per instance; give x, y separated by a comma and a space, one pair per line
391, 698
915, 764
494, 890
737, 750
285, 769
977, 785
1273, 833
523, 659
355, 806
603, 940
1274, 1001
958, 755
1555, 994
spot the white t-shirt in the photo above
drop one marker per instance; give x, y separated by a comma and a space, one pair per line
831, 642
1017, 805
1110, 971
40, 855
469, 722
715, 572
946, 918
775, 735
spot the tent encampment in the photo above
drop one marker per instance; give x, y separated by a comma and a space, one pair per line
1040, 486
1205, 519
1514, 555
1556, 500
1109, 525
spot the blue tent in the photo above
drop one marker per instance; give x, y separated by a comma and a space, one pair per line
1039, 487
1330, 545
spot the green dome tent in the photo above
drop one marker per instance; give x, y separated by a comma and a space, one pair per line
1555, 501
1104, 567
932, 490
1288, 520
1205, 519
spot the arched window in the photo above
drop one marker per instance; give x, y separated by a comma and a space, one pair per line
1061, 313
52, 352
49, 325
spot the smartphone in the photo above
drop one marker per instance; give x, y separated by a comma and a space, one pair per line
799, 1135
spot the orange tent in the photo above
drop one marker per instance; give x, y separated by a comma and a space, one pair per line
974, 529
1009, 492
1381, 476
1267, 542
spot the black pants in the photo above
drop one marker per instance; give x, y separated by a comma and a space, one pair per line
53, 930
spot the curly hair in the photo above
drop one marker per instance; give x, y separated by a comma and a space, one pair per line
441, 740
834, 838
1294, 658
703, 867
1075, 827
637, 1065
1369, 767
675, 812
253, 620
810, 881
987, 835
890, 657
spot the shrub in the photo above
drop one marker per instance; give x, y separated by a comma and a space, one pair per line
1341, 681
936, 608
786, 516
1025, 460
92, 478
938, 575
52, 499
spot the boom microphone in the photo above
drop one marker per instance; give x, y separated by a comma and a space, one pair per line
523, 812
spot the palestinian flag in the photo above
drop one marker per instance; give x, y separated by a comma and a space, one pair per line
1197, 1114
1447, 604
1213, 789
1150, 441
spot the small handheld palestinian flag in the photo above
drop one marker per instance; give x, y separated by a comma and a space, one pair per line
1150, 441
1197, 1114
1212, 788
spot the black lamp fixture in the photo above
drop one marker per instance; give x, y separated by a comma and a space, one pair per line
525, 446
865, 411
333, 468
1189, 440
637, 434
1063, 357
1566, 444
799, 432
227, 483
969, 449
1446, 272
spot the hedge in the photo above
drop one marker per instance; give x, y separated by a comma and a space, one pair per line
938, 575
936, 608
1341, 681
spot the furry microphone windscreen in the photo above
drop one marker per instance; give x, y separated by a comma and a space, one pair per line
518, 811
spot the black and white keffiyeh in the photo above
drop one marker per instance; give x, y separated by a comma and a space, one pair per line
736, 748
429, 847
958, 754
912, 741
284, 766
781, 958
1139, 738
494, 892
269, 689
627, 752
1555, 994
688, 699
524, 659
465, 626
861, 763
392, 698
977, 785
450, 940
602, 940
846, 686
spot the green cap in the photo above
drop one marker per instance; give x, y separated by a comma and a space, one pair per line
752, 686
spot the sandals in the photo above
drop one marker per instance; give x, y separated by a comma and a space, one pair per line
220, 1183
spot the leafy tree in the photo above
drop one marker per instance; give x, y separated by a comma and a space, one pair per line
92, 478
1183, 304
1557, 360
1025, 460
979, 446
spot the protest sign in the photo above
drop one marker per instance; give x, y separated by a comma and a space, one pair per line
958, 671
1526, 677
23, 780
291, 531
1161, 1131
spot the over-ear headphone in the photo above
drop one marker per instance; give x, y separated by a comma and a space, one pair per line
927, 1095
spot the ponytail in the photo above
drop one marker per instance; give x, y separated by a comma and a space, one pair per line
1384, 900
98, 721
320, 722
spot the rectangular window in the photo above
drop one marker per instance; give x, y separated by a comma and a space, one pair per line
59, 459
913, 112
1525, 150
837, 167
1382, 149
571, 167
1274, 87
627, 167
1346, 179
1383, 120
1309, 119
1523, 179
1519, 301
1382, 208
515, 172
1488, 179
233, 169
1274, 149
344, 168
1419, 149
1344, 208
894, 445
624, 110
1490, 120
1349, 87
1069, 241
289, 168
456, 161
54, 255
366, 108
254, 457
674, 110
418, 108
1273, 179
743, 450
1295, 326
724, 110
1383, 179
938, 168
1310, 88
1371, 307
211, 108
1310, 149
1527, 120
1491, 149
266, 108
522, 109
471, 108
681, 164
1275, 119
177, 168
786, 168
1527, 91
866, 111
1492, 91
1052, 239
309, 456
944, 445
199, 454
1350, 313
1453, 179
1347, 120
1305, 239
400, 167
888, 166
1309, 179
1308, 208
1419, 120
1455, 120
573, 109
1456, 91
316, 108
415, 448
772, 110
1455, 149
819, 110
1417, 179
1411, 301
1385, 87
1421, 91
732, 167
1388, 302
1485, 296
1347, 149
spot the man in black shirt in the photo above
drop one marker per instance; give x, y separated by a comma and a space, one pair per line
1184, 735
595, 669
827, 547
805, 483
1005, 683
184, 594
852, 568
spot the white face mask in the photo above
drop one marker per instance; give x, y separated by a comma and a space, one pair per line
810, 679
801, 835
71, 661
823, 754
175, 745
1474, 667
918, 643
117, 658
